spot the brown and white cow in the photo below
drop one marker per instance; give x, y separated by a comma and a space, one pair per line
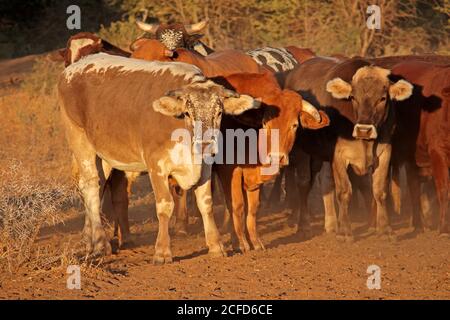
125, 111
358, 97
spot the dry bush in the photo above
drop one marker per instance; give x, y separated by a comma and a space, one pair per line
26, 205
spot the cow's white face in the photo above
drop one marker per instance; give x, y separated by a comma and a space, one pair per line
201, 106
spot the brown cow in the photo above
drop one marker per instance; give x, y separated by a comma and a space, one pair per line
132, 129
357, 97
422, 136
260, 82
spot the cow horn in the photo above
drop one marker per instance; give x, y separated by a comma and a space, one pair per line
196, 27
147, 27
231, 94
311, 110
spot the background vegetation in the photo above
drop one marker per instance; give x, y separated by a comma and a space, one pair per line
326, 26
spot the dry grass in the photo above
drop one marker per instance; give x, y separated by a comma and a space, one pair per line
26, 205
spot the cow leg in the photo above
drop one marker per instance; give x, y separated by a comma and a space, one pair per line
238, 208
414, 191
275, 193
203, 196
164, 210
426, 189
380, 186
344, 194
396, 192
441, 180
328, 190
89, 184
181, 215
304, 184
253, 203
120, 200
292, 193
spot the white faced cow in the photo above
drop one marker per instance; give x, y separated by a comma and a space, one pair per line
124, 112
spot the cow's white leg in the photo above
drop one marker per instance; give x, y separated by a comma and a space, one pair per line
380, 185
203, 195
164, 210
327, 189
89, 185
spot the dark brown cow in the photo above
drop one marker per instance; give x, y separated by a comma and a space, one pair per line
132, 129
422, 136
358, 99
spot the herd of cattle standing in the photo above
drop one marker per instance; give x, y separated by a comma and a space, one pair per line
373, 115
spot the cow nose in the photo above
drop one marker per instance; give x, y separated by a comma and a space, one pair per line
280, 158
364, 131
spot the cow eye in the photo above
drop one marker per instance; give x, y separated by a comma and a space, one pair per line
186, 114
383, 99
295, 126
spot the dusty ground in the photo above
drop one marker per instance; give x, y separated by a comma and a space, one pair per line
414, 267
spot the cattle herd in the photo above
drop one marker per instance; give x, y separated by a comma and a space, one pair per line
335, 116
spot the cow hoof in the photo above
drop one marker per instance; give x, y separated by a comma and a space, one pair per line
218, 251
304, 234
181, 233
349, 238
115, 245
160, 259
128, 241
258, 245
102, 249
444, 235
291, 221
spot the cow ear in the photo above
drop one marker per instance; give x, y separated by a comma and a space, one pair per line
62, 53
236, 106
169, 106
339, 88
446, 92
400, 90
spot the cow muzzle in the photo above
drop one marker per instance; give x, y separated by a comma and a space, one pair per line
279, 158
364, 131
206, 147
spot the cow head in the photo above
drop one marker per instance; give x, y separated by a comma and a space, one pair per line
80, 45
291, 112
370, 93
85, 43
174, 35
201, 105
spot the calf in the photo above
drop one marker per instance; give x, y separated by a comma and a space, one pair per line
358, 99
